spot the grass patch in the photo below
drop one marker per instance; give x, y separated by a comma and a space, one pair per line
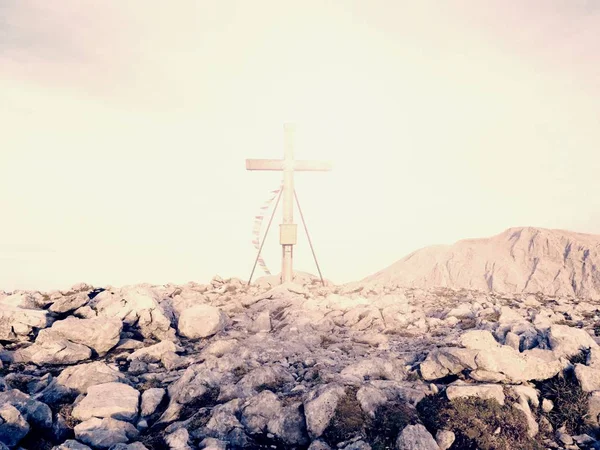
389, 420
492, 317
154, 442
348, 421
475, 423
206, 400
570, 402
579, 358
467, 324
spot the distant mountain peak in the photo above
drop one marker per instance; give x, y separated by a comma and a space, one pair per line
520, 259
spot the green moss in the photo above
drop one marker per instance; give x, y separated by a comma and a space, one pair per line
476, 422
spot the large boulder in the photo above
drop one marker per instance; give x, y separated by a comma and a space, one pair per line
375, 368
114, 400
151, 399
69, 303
36, 413
264, 413
320, 407
104, 433
588, 377
201, 321
568, 341
71, 444
53, 351
17, 323
135, 306
100, 334
79, 378
13, 426
416, 437
483, 391
489, 361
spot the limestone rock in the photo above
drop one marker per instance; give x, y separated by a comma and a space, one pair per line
154, 353
114, 400
483, 391
17, 323
262, 322
201, 321
416, 437
13, 427
79, 378
135, 305
71, 444
36, 413
69, 303
132, 446
376, 368
104, 433
320, 406
55, 351
151, 398
99, 334
593, 410
264, 413
445, 439
178, 440
588, 377
569, 341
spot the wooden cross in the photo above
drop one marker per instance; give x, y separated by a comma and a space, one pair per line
288, 229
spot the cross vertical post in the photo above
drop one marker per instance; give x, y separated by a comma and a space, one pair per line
288, 203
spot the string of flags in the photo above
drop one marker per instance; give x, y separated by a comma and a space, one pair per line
258, 219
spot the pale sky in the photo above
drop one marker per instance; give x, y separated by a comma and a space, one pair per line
125, 125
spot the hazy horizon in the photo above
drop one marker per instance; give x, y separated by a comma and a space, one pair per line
125, 129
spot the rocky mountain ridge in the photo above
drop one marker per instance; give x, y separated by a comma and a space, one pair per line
519, 260
229, 366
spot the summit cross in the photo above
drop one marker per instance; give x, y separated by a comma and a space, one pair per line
288, 229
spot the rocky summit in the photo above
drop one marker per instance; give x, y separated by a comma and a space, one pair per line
224, 365
526, 259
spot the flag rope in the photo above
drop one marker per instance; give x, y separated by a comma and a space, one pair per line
258, 219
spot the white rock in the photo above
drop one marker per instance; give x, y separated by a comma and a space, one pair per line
416, 437
16, 323
151, 398
445, 439
71, 444
479, 340
483, 391
82, 376
588, 377
114, 400
13, 426
53, 351
104, 433
99, 334
568, 341
262, 323
201, 321
547, 405
320, 406
135, 305
178, 440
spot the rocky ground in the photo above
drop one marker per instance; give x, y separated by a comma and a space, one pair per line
225, 366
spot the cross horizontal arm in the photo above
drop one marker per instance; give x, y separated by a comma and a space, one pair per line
277, 164
264, 164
